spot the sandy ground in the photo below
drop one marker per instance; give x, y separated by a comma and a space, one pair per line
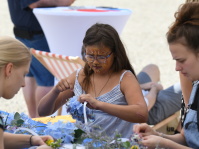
143, 37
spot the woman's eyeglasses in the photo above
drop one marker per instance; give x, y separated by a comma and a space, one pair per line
99, 58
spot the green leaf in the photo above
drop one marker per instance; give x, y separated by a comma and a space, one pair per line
13, 122
126, 144
77, 136
20, 122
17, 116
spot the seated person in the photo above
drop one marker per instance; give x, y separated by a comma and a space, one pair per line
165, 102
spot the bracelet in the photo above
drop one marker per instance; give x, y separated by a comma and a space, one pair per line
31, 140
161, 135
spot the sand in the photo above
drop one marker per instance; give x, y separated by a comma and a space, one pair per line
143, 36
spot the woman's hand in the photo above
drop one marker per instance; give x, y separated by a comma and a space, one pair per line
63, 85
92, 102
144, 130
152, 141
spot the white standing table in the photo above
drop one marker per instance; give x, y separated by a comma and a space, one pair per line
65, 27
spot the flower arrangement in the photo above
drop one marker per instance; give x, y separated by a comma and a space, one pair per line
67, 133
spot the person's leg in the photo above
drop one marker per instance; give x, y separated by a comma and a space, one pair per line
33, 94
29, 95
41, 91
152, 71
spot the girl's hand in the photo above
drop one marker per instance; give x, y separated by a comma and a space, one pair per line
63, 85
92, 102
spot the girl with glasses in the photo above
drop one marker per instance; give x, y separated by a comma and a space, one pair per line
107, 83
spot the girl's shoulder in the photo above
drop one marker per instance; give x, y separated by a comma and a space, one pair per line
126, 72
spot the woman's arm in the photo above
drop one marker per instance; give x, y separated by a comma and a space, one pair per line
152, 138
51, 3
178, 138
153, 141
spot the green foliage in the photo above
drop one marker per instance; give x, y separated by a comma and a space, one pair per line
78, 133
17, 120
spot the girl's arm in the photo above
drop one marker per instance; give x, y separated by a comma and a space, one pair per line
57, 97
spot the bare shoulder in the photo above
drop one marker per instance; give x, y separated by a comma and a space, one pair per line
128, 75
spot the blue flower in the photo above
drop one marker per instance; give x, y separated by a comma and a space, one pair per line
58, 130
75, 108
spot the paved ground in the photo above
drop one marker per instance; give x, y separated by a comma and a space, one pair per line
143, 36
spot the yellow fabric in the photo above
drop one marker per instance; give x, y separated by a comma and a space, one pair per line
64, 118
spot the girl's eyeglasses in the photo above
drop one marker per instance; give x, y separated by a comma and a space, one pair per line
99, 58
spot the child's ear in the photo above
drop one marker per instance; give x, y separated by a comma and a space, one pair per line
8, 70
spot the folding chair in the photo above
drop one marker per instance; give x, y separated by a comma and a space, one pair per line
173, 119
59, 65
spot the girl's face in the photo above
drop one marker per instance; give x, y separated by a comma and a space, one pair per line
15, 81
100, 59
186, 61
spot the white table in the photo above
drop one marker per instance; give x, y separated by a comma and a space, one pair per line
65, 27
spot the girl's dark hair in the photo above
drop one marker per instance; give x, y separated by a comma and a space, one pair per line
185, 29
105, 35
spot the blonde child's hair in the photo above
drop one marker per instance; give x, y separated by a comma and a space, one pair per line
13, 51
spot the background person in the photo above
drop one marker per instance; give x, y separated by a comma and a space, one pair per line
162, 103
27, 29
14, 65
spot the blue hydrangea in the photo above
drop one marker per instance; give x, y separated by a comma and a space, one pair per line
58, 130
75, 108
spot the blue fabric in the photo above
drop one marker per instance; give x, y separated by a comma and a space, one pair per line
22, 16
190, 124
109, 123
37, 70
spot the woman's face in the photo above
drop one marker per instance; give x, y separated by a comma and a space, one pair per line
15, 81
100, 59
187, 62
